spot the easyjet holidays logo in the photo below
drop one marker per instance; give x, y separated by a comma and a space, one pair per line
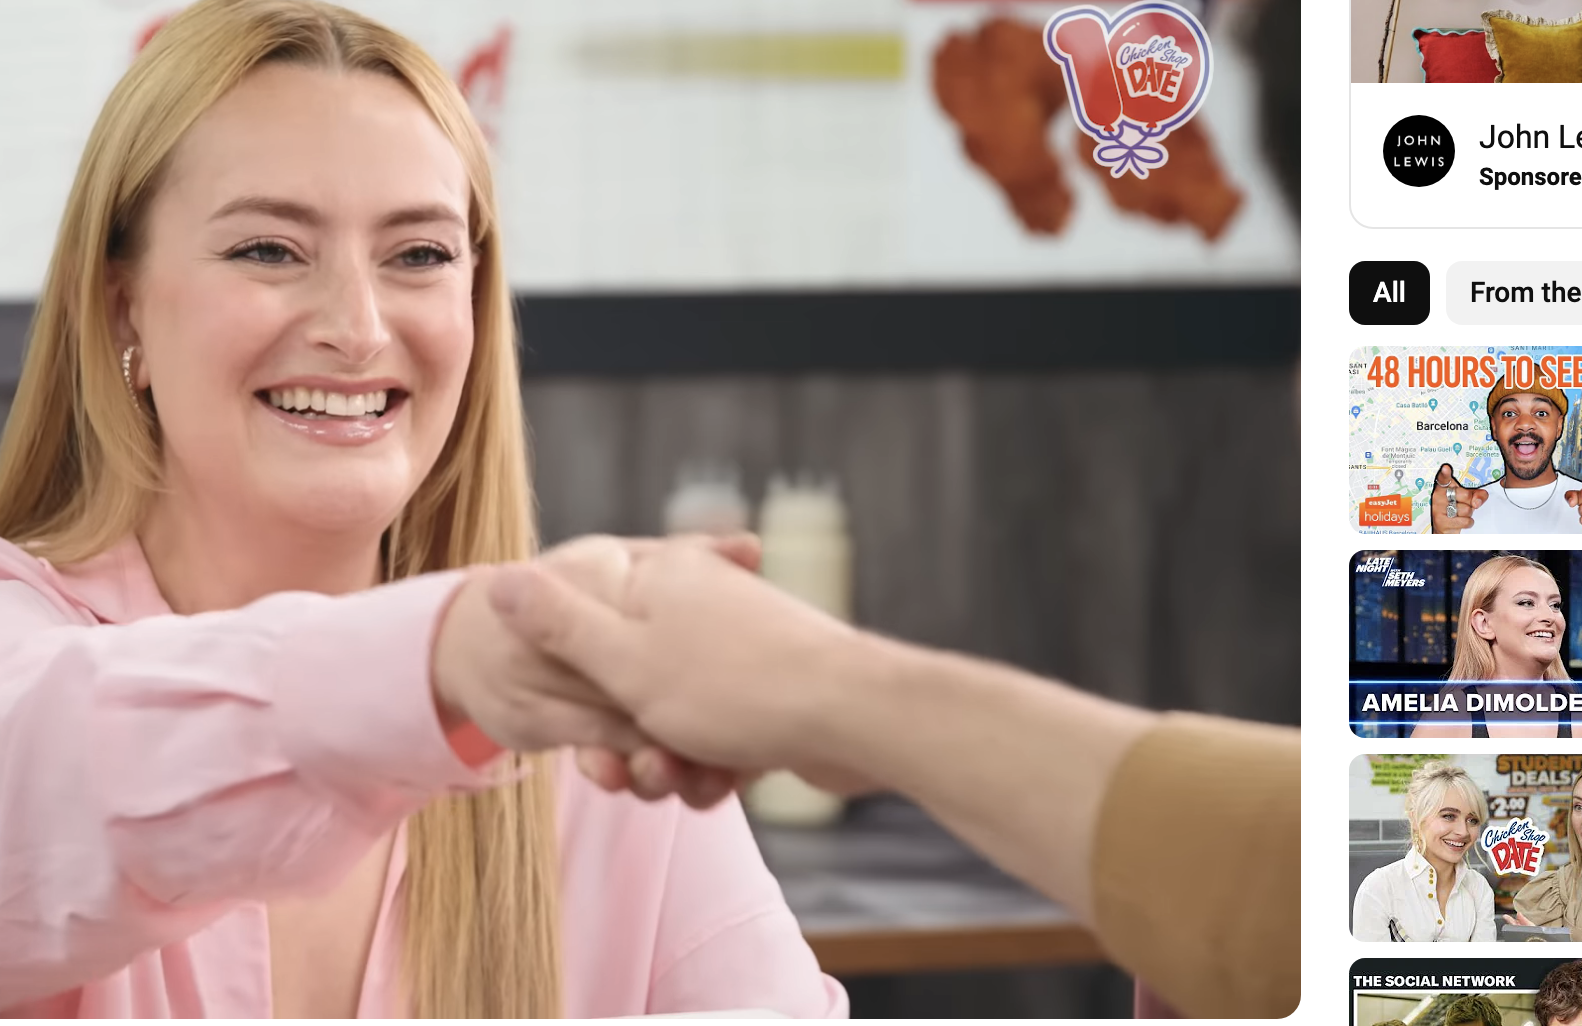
1133, 79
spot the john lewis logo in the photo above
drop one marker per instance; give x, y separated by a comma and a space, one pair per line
1418, 151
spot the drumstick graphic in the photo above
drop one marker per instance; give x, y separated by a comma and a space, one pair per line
1082, 40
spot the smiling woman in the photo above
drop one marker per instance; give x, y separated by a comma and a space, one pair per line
367, 272
1434, 893
252, 705
1511, 627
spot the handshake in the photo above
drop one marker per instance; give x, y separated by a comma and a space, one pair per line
668, 664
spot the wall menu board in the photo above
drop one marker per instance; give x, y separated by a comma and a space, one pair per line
706, 145
1537, 786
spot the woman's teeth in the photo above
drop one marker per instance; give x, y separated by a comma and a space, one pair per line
1458, 845
308, 402
1545, 635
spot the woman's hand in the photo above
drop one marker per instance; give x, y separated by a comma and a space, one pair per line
714, 663
652, 773
488, 675
1519, 920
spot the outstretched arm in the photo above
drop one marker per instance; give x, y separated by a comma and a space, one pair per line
153, 775
1081, 797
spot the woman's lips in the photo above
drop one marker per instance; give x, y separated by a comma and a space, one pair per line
342, 431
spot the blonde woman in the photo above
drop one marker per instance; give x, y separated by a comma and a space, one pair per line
252, 708
1434, 893
1511, 627
1554, 898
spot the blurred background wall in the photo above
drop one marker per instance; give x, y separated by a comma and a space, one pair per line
786, 236
1120, 528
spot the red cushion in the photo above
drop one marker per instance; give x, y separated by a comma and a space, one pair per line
1455, 56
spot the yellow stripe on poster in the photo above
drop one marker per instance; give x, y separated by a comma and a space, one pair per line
813, 56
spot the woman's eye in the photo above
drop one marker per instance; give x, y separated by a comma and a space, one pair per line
425, 256
264, 253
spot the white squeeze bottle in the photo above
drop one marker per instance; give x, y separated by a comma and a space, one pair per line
707, 499
807, 552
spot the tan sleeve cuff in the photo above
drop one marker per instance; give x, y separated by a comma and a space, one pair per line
1197, 866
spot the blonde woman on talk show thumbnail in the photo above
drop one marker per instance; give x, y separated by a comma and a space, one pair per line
1433, 893
1508, 637
254, 711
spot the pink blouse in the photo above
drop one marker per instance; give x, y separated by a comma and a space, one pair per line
163, 777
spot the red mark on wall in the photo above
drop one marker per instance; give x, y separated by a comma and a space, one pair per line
147, 35
482, 80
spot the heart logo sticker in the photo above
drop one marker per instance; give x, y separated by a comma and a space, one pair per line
1133, 79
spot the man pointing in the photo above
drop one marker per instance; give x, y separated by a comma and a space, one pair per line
1530, 496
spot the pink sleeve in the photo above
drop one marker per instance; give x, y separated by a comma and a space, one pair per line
727, 939
153, 774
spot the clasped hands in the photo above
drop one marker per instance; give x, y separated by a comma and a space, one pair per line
667, 664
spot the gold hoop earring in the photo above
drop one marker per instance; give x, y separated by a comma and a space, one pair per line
126, 375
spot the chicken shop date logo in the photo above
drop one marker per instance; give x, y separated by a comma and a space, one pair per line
1133, 79
1516, 848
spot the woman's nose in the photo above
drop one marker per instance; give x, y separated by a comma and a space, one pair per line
348, 319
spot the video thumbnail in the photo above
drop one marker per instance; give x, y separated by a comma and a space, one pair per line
1466, 441
1465, 644
1465, 992
1439, 41
1465, 847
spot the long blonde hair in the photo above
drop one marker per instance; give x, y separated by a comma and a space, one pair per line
79, 463
1475, 655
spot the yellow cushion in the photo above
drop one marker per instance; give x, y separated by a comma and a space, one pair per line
1531, 49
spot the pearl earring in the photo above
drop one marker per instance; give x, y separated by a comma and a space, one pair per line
126, 375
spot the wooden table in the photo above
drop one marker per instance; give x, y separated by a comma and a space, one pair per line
889, 891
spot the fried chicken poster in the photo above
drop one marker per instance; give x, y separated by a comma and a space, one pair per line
1000, 107
1002, 91
702, 145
